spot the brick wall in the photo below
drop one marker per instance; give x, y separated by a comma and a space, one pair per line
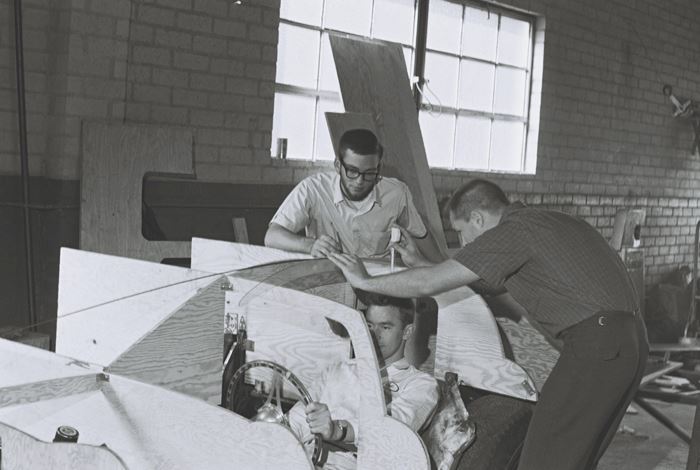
607, 137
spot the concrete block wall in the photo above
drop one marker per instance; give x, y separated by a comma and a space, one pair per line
208, 65
607, 138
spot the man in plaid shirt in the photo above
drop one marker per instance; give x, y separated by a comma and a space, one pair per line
572, 284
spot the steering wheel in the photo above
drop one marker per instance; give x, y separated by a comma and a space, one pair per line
268, 412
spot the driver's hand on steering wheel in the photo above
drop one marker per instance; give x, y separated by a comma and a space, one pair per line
319, 419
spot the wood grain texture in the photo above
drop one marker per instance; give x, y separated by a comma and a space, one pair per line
184, 352
48, 389
20, 451
531, 350
21, 364
373, 80
116, 157
153, 428
468, 344
160, 324
118, 301
381, 438
215, 256
389, 444
200, 435
299, 339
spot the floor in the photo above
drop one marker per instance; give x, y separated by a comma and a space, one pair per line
642, 443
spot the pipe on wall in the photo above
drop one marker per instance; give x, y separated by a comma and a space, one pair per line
24, 158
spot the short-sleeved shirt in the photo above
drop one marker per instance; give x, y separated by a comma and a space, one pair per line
414, 396
558, 267
363, 228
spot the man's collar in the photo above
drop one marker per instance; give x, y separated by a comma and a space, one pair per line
401, 364
512, 207
338, 196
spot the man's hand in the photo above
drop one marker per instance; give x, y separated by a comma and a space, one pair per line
407, 248
352, 268
323, 246
319, 419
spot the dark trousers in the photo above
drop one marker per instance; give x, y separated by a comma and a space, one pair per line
586, 395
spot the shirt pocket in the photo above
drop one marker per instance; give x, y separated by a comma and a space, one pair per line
372, 243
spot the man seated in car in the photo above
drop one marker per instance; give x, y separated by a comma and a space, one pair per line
334, 412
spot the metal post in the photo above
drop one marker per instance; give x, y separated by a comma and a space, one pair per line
693, 296
421, 41
24, 157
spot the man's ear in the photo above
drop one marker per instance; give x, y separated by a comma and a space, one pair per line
407, 331
477, 218
336, 164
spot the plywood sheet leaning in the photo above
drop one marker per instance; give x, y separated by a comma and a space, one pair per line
156, 323
468, 344
373, 80
339, 123
116, 157
138, 425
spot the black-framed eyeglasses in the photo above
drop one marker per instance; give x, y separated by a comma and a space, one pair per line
354, 173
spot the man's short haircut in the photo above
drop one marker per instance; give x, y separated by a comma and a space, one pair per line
476, 194
406, 307
360, 141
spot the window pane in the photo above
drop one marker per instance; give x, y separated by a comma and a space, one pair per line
479, 34
302, 11
294, 68
472, 143
293, 119
476, 85
514, 42
324, 147
510, 91
348, 16
444, 26
329, 77
507, 145
441, 72
393, 20
438, 134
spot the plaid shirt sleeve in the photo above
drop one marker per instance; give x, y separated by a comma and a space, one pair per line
498, 252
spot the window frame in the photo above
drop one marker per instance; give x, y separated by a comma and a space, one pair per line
419, 51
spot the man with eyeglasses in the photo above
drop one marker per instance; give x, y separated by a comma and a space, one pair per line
350, 210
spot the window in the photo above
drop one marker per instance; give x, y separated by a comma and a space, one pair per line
478, 70
307, 83
476, 111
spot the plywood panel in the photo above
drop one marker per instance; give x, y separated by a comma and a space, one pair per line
108, 303
116, 157
215, 256
468, 344
373, 80
21, 364
160, 324
20, 451
184, 352
156, 429
531, 349
46, 389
